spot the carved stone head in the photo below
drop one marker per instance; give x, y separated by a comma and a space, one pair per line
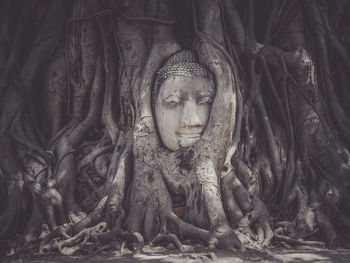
182, 96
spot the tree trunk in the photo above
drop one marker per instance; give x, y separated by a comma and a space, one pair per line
82, 159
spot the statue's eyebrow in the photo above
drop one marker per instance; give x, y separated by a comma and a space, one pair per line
206, 94
172, 95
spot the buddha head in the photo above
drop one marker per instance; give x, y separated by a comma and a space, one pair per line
182, 96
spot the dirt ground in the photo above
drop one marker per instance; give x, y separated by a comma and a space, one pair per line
199, 254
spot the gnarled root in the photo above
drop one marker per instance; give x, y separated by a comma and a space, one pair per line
170, 238
280, 236
72, 245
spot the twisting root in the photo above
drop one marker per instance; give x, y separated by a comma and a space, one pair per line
278, 236
92, 156
49, 241
137, 237
169, 237
70, 246
92, 218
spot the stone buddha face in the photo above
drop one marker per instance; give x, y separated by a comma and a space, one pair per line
182, 108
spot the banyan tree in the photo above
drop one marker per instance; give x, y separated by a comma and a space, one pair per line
226, 122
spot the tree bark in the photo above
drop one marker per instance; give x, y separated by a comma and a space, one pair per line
81, 158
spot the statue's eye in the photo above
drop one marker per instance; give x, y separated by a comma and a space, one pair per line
205, 101
172, 101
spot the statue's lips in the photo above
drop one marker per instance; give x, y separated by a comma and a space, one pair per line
189, 135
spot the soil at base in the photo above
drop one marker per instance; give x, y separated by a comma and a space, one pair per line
196, 253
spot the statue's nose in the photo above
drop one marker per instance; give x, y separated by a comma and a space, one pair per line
190, 118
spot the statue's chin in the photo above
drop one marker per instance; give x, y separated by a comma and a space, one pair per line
182, 141
188, 140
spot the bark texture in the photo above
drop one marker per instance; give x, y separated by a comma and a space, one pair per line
82, 166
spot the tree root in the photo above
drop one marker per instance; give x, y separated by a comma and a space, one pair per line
294, 125
8, 217
138, 240
235, 196
72, 245
49, 242
259, 220
134, 239
90, 219
278, 236
327, 229
91, 157
170, 238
